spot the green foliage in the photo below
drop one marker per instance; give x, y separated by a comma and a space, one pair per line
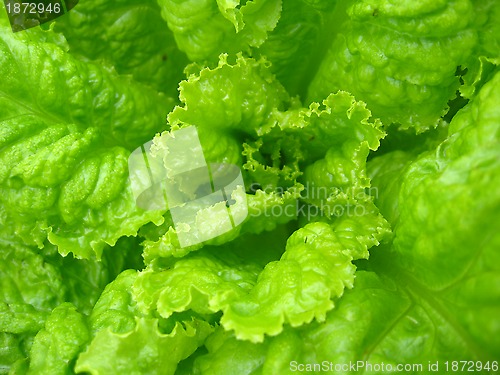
370, 236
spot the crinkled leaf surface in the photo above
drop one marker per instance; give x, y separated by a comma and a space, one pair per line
57, 345
296, 46
446, 225
204, 29
400, 58
407, 292
368, 325
34, 282
129, 35
143, 350
315, 268
221, 102
66, 127
292, 282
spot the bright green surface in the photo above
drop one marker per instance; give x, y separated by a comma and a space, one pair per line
372, 232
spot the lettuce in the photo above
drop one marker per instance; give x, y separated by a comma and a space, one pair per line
367, 133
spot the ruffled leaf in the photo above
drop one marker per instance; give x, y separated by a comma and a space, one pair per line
154, 352
296, 46
65, 129
367, 327
204, 29
117, 326
314, 269
400, 59
129, 35
58, 344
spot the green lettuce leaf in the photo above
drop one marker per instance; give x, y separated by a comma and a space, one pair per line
65, 130
232, 131
314, 269
433, 289
129, 35
204, 29
34, 282
486, 57
334, 139
274, 89
229, 105
236, 97
367, 328
114, 310
56, 346
400, 58
446, 237
118, 328
26, 300
296, 46
114, 329
153, 351
12, 353
452, 179
487, 19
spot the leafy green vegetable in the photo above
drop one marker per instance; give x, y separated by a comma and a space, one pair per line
127, 35
59, 342
157, 353
400, 58
204, 29
367, 133
64, 161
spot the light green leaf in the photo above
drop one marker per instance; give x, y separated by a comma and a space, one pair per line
205, 28
246, 358
487, 19
400, 58
130, 35
433, 291
26, 300
340, 129
65, 127
153, 351
33, 283
12, 354
367, 328
235, 97
314, 269
297, 45
114, 310
59, 342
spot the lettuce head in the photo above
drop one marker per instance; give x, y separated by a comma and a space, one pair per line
366, 136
